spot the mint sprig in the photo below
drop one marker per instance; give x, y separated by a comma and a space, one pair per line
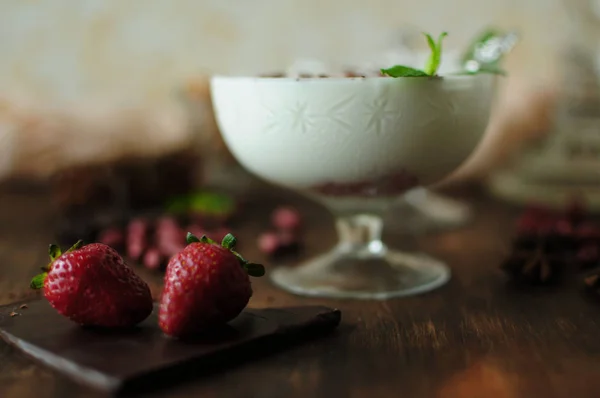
435, 58
431, 66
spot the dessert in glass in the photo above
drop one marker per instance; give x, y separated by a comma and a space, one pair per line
356, 145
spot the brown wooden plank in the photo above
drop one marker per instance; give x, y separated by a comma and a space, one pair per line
475, 337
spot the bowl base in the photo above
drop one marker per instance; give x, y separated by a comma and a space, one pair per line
350, 275
424, 211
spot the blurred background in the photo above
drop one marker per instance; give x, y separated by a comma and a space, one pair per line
112, 66
137, 51
97, 82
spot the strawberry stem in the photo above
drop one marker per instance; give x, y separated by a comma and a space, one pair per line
76, 246
229, 242
206, 239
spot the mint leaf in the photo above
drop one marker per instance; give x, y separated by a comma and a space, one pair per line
204, 202
435, 58
482, 39
403, 71
431, 66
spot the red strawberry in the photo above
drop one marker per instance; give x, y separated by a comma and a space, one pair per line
206, 285
93, 287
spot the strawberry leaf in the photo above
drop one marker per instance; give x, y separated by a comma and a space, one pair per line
191, 238
255, 270
54, 252
229, 241
38, 281
403, 71
76, 246
243, 261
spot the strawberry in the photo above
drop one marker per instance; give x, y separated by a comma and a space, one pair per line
92, 286
206, 285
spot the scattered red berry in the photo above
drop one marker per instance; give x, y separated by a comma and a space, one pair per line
535, 220
268, 243
152, 258
286, 218
588, 256
92, 286
576, 211
287, 238
588, 232
206, 285
113, 237
564, 227
275, 243
547, 242
137, 231
168, 236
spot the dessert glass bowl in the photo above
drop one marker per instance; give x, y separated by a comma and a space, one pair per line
356, 145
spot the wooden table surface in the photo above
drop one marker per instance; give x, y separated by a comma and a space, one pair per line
474, 337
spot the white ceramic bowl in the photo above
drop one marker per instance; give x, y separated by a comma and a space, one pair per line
302, 133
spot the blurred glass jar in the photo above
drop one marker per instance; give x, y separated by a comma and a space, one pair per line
565, 160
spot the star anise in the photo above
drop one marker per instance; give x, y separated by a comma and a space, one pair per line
534, 267
592, 283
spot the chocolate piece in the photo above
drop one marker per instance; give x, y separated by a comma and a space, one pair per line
129, 184
143, 357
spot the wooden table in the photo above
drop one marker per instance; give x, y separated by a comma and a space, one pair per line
475, 337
